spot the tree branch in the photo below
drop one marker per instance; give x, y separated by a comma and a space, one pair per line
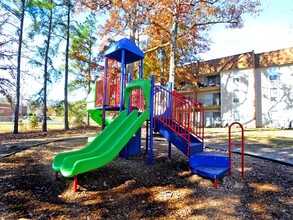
157, 47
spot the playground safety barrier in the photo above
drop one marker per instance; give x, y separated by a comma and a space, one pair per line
182, 115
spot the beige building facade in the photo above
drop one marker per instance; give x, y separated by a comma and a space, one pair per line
253, 89
275, 96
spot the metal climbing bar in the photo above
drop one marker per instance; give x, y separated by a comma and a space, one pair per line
235, 143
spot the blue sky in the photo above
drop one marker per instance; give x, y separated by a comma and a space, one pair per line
271, 30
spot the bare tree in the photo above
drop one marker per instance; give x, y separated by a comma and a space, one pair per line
15, 131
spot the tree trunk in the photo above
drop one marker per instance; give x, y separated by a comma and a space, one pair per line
15, 131
89, 78
66, 121
173, 48
44, 127
133, 30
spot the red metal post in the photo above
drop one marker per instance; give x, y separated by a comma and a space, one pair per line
75, 184
242, 153
202, 123
230, 151
242, 148
188, 124
215, 183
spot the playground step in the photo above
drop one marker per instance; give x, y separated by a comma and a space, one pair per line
211, 172
210, 165
195, 147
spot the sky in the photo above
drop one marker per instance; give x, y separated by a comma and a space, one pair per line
271, 30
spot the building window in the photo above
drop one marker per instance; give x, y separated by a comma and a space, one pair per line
213, 80
274, 116
216, 99
273, 77
273, 73
208, 99
212, 119
236, 95
273, 94
236, 116
236, 78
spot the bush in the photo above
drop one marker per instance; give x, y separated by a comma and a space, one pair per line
33, 121
78, 111
79, 119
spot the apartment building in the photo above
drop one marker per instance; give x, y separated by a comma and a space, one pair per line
254, 89
7, 111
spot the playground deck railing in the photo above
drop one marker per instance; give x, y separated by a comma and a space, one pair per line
113, 92
182, 115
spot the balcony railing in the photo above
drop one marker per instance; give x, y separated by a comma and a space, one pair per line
209, 102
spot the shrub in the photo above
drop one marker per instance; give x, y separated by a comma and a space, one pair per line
33, 121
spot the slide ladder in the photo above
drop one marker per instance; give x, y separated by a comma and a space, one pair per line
181, 121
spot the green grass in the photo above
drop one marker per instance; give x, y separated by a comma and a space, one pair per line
271, 140
275, 138
7, 127
272, 137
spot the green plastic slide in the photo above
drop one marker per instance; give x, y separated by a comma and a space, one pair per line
104, 148
96, 115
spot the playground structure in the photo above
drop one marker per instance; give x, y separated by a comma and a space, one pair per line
177, 118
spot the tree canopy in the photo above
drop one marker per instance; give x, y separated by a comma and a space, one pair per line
180, 27
172, 33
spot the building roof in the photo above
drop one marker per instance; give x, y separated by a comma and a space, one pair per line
132, 52
243, 61
274, 58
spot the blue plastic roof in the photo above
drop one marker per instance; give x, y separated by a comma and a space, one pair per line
132, 52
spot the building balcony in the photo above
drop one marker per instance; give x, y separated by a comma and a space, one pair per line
208, 88
210, 103
212, 107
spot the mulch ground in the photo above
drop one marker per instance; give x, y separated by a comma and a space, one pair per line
131, 189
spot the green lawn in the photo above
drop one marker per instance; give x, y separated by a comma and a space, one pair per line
275, 138
6, 127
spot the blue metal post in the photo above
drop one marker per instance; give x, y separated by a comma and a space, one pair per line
128, 81
128, 112
151, 120
171, 117
141, 69
105, 94
123, 70
147, 138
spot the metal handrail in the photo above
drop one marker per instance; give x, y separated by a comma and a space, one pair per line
179, 113
242, 147
197, 121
